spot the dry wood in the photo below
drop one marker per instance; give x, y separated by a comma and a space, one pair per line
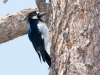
14, 25
75, 39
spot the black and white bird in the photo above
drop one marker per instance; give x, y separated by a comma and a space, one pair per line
38, 34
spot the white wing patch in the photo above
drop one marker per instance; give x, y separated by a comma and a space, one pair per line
42, 36
44, 32
28, 26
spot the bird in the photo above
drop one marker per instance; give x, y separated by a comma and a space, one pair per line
38, 34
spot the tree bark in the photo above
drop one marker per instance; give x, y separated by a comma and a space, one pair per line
75, 39
13, 26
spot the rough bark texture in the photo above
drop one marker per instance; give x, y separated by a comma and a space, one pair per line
13, 26
75, 39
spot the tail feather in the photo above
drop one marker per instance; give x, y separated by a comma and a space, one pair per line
47, 58
39, 56
43, 54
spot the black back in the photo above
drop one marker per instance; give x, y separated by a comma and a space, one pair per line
35, 37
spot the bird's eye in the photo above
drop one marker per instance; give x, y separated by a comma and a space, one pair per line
39, 16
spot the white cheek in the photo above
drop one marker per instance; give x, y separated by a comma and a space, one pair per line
34, 17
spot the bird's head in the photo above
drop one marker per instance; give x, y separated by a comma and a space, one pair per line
35, 15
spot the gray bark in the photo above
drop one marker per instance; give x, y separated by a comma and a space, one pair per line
75, 39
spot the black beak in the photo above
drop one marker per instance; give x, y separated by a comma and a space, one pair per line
41, 14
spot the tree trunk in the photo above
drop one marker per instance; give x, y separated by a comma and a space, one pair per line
75, 38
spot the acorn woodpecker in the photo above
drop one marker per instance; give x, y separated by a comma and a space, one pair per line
38, 34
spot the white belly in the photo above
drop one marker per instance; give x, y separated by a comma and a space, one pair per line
45, 32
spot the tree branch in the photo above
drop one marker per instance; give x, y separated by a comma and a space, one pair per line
41, 5
14, 25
